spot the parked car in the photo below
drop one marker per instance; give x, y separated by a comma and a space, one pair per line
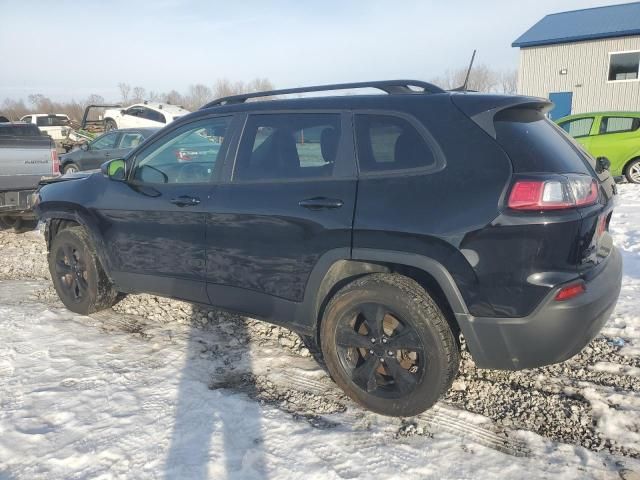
57, 126
379, 227
113, 144
26, 157
148, 114
614, 135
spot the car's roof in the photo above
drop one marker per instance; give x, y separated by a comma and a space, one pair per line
599, 114
326, 102
46, 115
165, 107
138, 130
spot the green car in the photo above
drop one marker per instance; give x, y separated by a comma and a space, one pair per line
615, 135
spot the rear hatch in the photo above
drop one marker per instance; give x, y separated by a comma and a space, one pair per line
555, 194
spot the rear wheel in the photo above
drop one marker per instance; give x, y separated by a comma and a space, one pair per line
71, 168
632, 172
77, 275
388, 346
110, 124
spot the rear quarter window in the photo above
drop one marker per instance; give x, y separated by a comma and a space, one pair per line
535, 144
390, 143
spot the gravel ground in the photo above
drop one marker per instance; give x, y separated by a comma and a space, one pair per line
549, 401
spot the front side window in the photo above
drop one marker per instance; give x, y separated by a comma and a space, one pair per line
105, 142
134, 112
619, 124
187, 155
386, 142
130, 140
580, 127
26, 119
288, 146
624, 66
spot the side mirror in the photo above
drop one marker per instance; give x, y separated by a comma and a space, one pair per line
122, 112
602, 164
84, 146
115, 169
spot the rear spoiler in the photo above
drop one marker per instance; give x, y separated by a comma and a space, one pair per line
483, 108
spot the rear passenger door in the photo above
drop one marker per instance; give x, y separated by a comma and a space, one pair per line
617, 140
289, 201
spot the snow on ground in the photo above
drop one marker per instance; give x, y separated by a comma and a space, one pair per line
120, 396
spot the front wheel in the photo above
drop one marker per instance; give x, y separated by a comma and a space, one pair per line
388, 346
632, 172
77, 275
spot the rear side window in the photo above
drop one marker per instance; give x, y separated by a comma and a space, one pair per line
153, 115
535, 144
130, 140
580, 127
619, 124
287, 146
386, 142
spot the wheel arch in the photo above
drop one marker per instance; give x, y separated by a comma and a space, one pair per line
634, 157
58, 219
332, 273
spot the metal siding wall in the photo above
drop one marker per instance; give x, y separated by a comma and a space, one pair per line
587, 65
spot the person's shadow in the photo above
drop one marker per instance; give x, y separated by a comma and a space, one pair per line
216, 433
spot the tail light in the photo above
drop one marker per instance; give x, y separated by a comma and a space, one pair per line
55, 162
570, 291
556, 194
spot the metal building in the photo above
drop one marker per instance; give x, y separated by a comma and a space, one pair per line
583, 60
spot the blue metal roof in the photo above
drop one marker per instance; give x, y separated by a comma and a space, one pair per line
587, 24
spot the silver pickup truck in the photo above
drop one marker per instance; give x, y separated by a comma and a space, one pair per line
26, 158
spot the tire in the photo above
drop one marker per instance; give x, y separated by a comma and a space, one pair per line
78, 277
632, 171
380, 375
110, 124
70, 168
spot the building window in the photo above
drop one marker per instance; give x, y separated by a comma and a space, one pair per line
624, 66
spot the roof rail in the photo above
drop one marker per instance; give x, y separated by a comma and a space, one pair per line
388, 86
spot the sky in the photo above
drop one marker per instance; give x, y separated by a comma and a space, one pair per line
69, 50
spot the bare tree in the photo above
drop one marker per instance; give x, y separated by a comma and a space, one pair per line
198, 95
481, 79
125, 89
173, 97
14, 109
509, 82
138, 94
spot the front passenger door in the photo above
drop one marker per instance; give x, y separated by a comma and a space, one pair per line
154, 224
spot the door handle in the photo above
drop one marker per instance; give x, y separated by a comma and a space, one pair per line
185, 201
319, 203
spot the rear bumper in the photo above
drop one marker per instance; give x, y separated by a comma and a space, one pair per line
554, 332
17, 203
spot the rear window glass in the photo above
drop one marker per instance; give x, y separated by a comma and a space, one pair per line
535, 144
52, 121
20, 130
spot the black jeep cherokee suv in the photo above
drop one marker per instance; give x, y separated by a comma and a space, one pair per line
380, 226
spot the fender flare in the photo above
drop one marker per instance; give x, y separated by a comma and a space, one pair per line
337, 267
83, 219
